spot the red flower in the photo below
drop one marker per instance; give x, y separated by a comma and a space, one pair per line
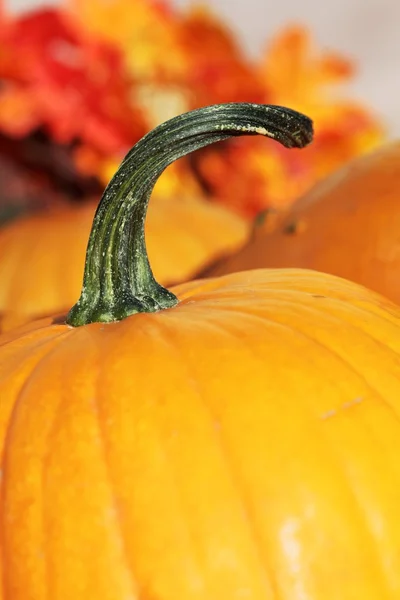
57, 77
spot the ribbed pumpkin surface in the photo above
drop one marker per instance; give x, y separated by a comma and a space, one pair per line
243, 444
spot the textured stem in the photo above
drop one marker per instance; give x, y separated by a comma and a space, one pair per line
118, 280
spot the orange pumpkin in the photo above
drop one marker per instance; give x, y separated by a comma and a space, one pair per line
42, 256
348, 225
240, 443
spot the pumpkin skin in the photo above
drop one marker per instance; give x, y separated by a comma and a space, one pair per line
42, 256
348, 225
248, 449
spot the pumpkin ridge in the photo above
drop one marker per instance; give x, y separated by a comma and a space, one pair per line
7, 425
178, 491
53, 342
44, 505
285, 295
341, 291
55, 345
246, 510
19, 336
362, 511
299, 333
113, 495
184, 518
357, 330
8, 445
202, 286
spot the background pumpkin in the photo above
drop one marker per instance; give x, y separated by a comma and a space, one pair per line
42, 256
228, 447
348, 225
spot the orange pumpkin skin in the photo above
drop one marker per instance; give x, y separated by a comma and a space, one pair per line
231, 438
348, 225
42, 257
243, 444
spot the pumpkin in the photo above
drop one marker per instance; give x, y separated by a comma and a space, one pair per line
348, 225
42, 256
230, 438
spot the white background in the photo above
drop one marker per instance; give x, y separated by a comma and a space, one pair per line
367, 31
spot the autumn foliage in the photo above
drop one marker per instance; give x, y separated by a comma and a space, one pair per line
97, 89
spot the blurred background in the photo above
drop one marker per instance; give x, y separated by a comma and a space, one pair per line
77, 93
81, 81
364, 30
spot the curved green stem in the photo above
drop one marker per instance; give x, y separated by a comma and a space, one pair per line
118, 280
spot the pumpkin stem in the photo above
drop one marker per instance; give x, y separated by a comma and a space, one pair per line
118, 280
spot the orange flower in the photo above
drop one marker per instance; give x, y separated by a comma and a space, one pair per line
178, 61
144, 30
251, 175
191, 56
218, 69
307, 80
